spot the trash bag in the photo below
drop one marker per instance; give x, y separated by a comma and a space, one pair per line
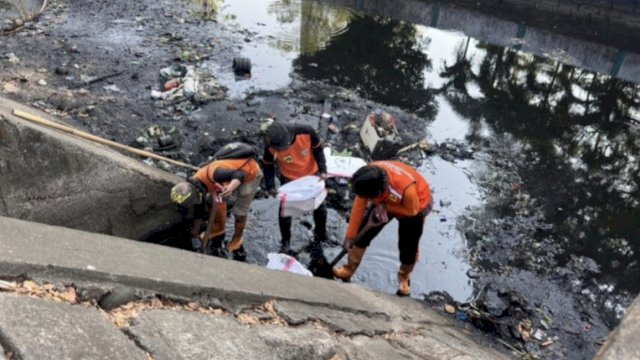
301, 196
286, 263
342, 166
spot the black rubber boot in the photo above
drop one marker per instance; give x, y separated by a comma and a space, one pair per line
320, 220
239, 254
285, 247
215, 248
285, 232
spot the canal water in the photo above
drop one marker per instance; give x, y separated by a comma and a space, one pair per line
553, 122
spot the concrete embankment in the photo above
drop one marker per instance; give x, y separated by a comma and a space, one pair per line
229, 310
53, 178
623, 342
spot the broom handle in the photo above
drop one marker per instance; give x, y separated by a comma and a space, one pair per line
38, 120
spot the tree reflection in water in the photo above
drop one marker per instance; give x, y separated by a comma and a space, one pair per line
379, 58
581, 132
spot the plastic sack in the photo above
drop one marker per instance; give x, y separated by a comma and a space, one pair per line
342, 166
301, 196
286, 263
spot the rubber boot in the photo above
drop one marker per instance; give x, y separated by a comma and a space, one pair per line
236, 239
215, 247
354, 257
239, 254
320, 220
285, 231
404, 287
285, 247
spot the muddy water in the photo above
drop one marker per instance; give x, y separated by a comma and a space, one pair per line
551, 196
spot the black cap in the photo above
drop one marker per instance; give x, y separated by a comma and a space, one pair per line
279, 135
369, 181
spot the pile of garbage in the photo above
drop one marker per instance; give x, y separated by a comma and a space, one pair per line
526, 330
380, 135
157, 139
384, 123
184, 83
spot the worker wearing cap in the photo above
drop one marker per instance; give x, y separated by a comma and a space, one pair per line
404, 194
297, 150
216, 182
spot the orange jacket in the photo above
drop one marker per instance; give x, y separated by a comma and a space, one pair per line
206, 174
407, 195
297, 160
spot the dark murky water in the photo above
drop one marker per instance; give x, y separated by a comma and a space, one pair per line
573, 124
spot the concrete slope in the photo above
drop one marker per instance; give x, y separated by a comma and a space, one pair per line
352, 319
624, 341
54, 178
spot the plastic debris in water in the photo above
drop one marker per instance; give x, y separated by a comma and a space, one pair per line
461, 315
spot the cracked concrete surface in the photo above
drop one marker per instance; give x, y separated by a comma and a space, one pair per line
233, 310
39, 329
182, 335
343, 322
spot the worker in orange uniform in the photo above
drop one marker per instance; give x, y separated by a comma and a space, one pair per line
234, 169
404, 194
297, 149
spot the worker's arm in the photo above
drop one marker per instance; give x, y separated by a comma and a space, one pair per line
357, 217
233, 178
316, 145
410, 203
225, 175
269, 169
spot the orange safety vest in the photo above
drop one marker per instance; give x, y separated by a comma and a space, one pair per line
205, 174
297, 160
401, 176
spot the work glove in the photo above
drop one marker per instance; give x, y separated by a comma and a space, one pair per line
196, 244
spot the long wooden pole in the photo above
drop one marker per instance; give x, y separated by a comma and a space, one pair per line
38, 120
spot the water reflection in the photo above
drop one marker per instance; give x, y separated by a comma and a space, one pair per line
580, 130
316, 23
285, 29
381, 58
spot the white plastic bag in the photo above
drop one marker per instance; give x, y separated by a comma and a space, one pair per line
286, 263
301, 196
342, 166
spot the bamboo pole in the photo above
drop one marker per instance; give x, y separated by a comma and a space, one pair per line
38, 120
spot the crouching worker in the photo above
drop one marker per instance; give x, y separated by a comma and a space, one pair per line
401, 192
297, 150
204, 196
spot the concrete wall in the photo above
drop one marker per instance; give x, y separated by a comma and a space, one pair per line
585, 54
613, 22
54, 178
624, 341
